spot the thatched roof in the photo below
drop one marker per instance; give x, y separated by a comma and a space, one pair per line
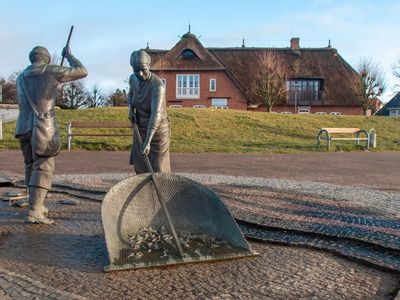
173, 59
241, 65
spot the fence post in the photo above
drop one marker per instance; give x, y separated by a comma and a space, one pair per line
69, 136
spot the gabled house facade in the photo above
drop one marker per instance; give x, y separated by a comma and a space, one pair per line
392, 108
320, 80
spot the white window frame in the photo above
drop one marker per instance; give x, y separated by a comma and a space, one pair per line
211, 85
218, 102
303, 110
164, 81
394, 112
187, 86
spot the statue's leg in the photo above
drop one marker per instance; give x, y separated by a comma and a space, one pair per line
26, 148
40, 183
159, 150
35, 206
137, 159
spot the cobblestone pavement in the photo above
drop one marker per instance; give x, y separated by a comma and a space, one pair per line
342, 219
65, 261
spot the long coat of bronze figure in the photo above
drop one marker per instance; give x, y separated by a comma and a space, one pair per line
37, 88
147, 107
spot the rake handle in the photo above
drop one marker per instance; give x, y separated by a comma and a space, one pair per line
159, 195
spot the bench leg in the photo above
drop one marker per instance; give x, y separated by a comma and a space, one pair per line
327, 138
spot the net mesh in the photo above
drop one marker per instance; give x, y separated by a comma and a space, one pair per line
137, 232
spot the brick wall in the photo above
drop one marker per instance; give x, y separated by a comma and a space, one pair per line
225, 89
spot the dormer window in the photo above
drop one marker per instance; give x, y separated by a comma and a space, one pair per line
188, 53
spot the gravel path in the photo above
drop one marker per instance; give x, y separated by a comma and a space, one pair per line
387, 202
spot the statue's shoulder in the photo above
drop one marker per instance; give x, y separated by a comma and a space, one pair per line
133, 80
155, 80
55, 70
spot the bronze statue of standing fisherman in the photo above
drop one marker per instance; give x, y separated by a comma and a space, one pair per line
37, 130
147, 108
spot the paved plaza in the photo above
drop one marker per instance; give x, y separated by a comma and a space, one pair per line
319, 237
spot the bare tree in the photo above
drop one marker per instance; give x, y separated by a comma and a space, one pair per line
396, 71
370, 84
118, 98
95, 98
55, 59
13, 77
270, 86
73, 96
9, 91
9, 88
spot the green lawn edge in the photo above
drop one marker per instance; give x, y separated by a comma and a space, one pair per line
230, 131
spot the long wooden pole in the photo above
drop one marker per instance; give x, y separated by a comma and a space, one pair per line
67, 45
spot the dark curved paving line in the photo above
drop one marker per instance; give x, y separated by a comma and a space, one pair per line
373, 255
271, 211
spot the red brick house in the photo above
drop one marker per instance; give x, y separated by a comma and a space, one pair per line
320, 79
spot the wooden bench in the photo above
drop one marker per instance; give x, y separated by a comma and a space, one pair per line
95, 124
326, 134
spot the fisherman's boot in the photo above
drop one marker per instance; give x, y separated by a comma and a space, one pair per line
36, 210
45, 210
24, 202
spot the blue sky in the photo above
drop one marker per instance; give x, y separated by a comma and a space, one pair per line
106, 32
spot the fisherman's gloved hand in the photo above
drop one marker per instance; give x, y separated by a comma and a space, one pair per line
66, 52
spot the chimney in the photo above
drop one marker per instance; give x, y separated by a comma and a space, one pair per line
295, 43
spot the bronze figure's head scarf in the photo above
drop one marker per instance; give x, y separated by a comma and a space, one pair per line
140, 58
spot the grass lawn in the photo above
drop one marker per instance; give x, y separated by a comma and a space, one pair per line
216, 130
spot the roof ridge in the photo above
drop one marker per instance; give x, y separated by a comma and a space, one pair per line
270, 48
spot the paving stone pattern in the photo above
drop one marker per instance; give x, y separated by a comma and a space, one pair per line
327, 210
66, 260
312, 214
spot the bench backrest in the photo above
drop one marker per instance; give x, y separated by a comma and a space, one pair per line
100, 124
341, 130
